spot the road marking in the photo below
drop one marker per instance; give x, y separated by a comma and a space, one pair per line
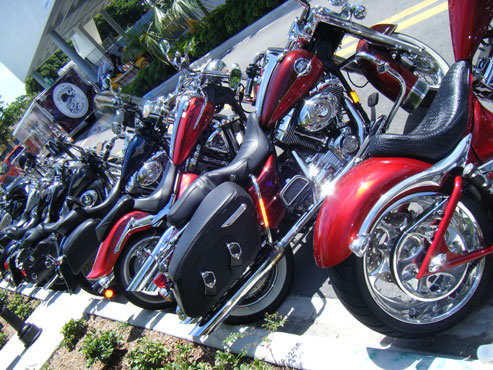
351, 41
423, 16
397, 17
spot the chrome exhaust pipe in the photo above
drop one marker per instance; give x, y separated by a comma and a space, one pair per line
218, 318
50, 283
267, 265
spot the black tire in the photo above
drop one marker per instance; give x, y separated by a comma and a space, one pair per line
269, 294
352, 288
127, 266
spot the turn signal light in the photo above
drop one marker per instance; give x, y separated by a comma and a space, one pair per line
109, 293
354, 97
263, 212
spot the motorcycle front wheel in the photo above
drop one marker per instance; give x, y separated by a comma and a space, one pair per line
381, 289
128, 264
267, 295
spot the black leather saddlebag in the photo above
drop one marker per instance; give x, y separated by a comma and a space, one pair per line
218, 244
38, 261
81, 245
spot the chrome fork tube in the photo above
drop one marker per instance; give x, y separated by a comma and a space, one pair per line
146, 273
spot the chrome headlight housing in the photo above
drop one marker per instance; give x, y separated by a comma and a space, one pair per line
149, 173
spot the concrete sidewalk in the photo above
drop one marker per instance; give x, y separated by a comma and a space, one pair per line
320, 350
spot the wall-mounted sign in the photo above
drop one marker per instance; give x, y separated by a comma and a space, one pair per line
69, 100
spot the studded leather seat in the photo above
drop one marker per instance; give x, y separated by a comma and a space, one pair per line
442, 127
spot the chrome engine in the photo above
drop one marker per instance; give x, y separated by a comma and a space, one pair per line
322, 136
326, 119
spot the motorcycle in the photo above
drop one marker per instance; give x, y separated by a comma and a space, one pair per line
410, 254
52, 251
227, 252
146, 180
13, 201
201, 140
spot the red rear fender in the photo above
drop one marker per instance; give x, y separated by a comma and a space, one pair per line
354, 195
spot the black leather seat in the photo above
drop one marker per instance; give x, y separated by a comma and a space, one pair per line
152, 203
442, 127
72, 219
250, 159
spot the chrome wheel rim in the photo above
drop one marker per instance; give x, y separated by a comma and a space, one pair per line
133, 261
258, 298
395, 253
430, 65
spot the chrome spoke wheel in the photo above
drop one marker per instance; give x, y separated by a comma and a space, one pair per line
400, 239
132, 258
267, 294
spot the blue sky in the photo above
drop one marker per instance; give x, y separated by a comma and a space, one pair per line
10, 86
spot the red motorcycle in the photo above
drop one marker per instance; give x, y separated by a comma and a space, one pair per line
227, 253
200, 141
414, 228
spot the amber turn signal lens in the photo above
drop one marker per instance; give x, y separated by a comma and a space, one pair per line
109, 293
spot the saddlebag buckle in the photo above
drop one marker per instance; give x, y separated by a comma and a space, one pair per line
209, 282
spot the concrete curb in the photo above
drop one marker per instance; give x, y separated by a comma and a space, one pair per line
297, 351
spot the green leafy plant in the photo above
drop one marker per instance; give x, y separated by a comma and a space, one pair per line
225, 359
3, 339
72, 331
3, 295
99, 346
21, 306
148, 355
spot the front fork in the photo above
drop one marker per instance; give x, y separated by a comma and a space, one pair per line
144, 279
439, 257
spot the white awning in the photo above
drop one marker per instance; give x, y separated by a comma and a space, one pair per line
25, 25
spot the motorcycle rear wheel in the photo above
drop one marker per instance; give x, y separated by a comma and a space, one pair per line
380, 289
267, 295
128, 264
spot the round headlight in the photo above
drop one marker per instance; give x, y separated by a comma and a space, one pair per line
149, 173
215, 65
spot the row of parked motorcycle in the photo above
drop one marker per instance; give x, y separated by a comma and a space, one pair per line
205, 207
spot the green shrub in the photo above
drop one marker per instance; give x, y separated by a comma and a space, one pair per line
219, 25
3, 295
99, 346
226, 21
3, 339
22, 307
72, 331
148, 355
148, 78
